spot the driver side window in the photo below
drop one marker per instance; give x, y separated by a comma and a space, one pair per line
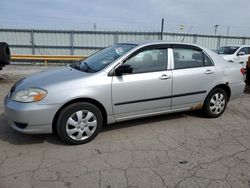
148, 61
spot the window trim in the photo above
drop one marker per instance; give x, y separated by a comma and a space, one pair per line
205, 53
185, 46
149, 47
195, 48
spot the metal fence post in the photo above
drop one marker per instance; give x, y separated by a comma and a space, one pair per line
71, 40
195, 38
244, 40
218, 41
115, 36
32, 41
162, 28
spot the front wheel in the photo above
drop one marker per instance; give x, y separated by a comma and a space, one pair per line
215, 103
79, 123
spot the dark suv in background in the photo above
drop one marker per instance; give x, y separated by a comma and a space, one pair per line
4, 54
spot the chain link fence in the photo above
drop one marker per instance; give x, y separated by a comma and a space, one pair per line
73, 42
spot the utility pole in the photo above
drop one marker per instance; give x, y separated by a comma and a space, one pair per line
227, 34
228, 30
162, 28
215, 28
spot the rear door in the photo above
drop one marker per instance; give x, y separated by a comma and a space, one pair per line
193, 75
147, 90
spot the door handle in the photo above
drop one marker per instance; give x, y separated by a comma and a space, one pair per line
208, 72
164, 77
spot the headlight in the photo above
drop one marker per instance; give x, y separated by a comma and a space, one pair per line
29, 95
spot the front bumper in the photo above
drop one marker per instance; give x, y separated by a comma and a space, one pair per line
36, 117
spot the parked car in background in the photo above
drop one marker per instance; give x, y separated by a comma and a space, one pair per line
4, 54
122, 82
235, 53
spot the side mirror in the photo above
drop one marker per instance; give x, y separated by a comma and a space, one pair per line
123, 69
241, 53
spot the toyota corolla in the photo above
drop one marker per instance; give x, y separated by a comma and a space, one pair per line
121, 82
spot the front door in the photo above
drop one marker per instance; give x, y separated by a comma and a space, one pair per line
147, 90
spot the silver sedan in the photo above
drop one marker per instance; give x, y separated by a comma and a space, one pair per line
121, 82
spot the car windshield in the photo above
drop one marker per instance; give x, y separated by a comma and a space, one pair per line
102, 58
227, 50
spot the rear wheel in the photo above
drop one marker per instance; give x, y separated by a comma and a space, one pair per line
79, 123
215, 103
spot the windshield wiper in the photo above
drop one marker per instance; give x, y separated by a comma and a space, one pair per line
82, 66
86, 67
75, 66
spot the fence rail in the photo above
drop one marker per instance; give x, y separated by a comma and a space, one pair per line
72, 42
46, 58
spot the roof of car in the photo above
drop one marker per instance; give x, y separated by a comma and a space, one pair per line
146, 42
156, 42
234, 45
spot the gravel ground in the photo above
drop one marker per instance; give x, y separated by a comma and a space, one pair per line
12, 73
176, 150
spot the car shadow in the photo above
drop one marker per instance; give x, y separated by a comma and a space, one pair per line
7, 134
149, 120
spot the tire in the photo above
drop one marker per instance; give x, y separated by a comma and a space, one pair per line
79, 123
215, 103
4, 54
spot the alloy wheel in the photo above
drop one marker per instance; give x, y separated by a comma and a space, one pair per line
217, 103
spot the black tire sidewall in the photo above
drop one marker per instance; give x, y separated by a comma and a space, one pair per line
67, 112
206, 108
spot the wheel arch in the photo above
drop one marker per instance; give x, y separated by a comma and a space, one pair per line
89, 100
226, 88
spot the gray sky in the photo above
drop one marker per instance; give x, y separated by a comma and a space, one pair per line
197, 16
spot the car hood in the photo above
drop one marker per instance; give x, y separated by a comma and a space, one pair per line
227, 57
51, 77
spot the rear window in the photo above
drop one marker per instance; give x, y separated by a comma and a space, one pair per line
227, 50
190, 58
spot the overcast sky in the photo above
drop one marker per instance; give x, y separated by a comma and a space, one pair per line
197, 16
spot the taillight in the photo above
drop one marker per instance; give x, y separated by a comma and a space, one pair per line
243, 71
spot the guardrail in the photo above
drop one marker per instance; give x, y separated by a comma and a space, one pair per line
46, 58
